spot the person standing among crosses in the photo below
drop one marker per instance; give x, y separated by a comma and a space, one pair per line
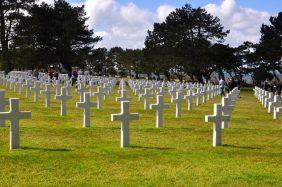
74, 76
222, 87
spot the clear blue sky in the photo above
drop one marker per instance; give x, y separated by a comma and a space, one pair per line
271, 6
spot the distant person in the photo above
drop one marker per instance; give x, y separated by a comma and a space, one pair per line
222, 87
56, 75
266, 85
51, 74
36, 73
74, 76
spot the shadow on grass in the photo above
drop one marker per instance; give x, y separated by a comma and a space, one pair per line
52, 150
240, 147
153, 148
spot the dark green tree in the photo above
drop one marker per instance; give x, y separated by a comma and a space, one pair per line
269, 49
11, 12
98, 61
56, 34
184, 40
224, 59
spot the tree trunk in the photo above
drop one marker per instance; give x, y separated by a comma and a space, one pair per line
4, 42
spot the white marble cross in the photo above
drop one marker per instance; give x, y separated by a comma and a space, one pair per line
14, 115
57, 87
217, 118
47, 93
64, 98
203, 92
172, 91
178, 102
123, 96
99, 94
68, 87
198, 96
36, 90
27, 86
189, 99
159, 107
268, 99
86, 105
277, 102
276, 113
147, 95
162, 91
3, 103
91, 87
81, 90
226, 109
125, 117
20, 85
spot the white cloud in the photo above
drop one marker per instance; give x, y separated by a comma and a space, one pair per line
45, 1
122, 25
163, 11
244, 23
127, 25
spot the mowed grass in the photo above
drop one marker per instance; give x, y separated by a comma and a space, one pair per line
58, 151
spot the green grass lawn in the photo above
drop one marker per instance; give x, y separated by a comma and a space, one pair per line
58, 151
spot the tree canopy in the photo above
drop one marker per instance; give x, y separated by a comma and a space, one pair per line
55, 34
190, 42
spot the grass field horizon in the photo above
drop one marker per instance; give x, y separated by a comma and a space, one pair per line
57, 150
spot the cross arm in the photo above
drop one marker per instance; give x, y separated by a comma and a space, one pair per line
210, 118
134, 116
25, 115
5, 116
116, 117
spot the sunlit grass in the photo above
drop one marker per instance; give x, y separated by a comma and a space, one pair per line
57, 150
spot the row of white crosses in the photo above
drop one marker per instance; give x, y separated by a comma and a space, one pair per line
63, 93
222, 115
272, 102
147, 90
125, 116
14, 115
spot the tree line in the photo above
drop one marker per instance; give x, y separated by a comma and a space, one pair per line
190, 42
